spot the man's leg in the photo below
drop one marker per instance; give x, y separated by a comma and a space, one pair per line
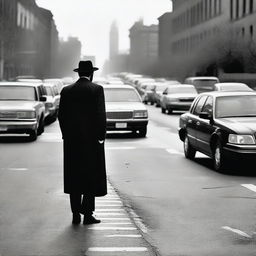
88, 207
75, 203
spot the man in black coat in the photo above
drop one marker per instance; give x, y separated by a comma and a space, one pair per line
82, 119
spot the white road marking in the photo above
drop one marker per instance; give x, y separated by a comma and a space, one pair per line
110, 214
123, 219
112, 228
17, 169
250, 187
117, 249
237, 231
108, 205
117, 223
174, 152
109, 210
109, 201
128, 236
138, 222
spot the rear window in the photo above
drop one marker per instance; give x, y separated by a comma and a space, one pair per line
17, 93
121, 95
205, 85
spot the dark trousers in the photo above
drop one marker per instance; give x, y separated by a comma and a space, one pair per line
82, 204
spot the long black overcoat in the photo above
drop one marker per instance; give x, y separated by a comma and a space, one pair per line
82, 119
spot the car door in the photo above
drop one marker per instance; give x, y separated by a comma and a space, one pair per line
205, 128
193, 119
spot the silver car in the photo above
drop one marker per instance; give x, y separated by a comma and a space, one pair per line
125, 110
22, 108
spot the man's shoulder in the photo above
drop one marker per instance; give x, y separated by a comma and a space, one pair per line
67, 88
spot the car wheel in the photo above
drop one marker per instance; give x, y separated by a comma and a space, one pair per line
163, 110
170, 111
152, 103
143, 132
33, 135
41, 127
145, 102
219, 161
189, 151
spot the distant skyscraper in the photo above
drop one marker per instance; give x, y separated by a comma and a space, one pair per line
114, 40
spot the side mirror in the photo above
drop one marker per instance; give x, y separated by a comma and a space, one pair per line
43, 98
205, 115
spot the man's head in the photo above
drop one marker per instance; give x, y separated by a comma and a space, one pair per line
85, 68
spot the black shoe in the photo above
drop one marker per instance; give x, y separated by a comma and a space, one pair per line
90, 220
76, 219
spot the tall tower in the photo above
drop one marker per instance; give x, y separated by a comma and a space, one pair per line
113, 40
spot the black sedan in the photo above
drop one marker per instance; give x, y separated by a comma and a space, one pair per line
221, 125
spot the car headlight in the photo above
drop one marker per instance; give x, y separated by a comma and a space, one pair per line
140, 114
241, 139
26, 114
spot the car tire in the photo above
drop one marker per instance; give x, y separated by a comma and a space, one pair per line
219, 160
40, 127
163, 110
189, 151
143, 132
152, 103
145, 102
170, 111
33, 135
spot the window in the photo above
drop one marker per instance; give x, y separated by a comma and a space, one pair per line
251, 30
208, 106
199, 105
237, 9
251, 6
244, 7
231, 9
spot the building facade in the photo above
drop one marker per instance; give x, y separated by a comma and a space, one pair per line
113, 40
202, 32
143, 46
29, 39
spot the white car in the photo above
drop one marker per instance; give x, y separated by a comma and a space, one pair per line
232, 87
125, 110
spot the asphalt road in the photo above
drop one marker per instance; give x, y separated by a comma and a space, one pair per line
170, 204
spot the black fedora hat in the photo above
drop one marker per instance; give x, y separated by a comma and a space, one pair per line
85, 66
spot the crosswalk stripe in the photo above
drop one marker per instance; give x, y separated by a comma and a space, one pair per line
250, 187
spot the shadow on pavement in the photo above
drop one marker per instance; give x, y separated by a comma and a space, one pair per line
237, 168
15, 139
122, 135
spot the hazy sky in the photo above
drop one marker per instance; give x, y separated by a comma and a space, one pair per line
90, 20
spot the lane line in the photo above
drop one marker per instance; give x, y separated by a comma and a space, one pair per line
109, 210
110, 214
113, 228
250, 187
17, 169
122, 219
117, 249
174, 152
236, 231
127, 236
117, 223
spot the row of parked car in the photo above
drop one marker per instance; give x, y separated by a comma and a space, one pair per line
27, 104
220, 118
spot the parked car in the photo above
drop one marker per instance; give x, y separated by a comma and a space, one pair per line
202, 83
58, 82
22, 108
158, 92
229, 87
52, 101
220, 125
178, 97
148, 94
125, 110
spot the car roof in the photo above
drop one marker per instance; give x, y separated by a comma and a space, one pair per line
20, 84
182, 86
230, 83
220, 94
117, 86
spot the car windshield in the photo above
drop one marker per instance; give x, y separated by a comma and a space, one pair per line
121, 95
235, 106
181, 90
150, 87
205, 85
17, 93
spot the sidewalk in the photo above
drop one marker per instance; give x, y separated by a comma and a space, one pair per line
44, 229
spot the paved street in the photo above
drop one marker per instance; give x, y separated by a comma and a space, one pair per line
158, 201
